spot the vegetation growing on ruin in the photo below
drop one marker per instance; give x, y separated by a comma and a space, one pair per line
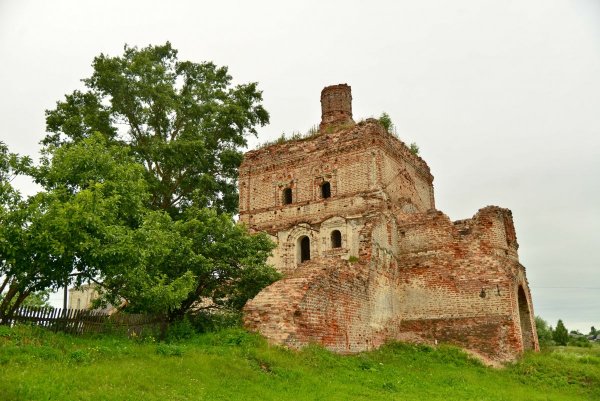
312, 132
387, 123
414, 148
234, 365
293, 137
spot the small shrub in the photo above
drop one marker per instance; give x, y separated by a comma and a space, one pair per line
180, 330
386, 121
580, 342
414, 149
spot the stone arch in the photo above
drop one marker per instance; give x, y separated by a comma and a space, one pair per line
303, 249
525, 319
336, 239
294, 243
336, 223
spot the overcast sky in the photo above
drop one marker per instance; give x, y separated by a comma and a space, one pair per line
502, 97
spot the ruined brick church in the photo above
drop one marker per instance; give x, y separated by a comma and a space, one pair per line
365, 255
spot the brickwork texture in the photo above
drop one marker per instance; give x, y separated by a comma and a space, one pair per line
367, 257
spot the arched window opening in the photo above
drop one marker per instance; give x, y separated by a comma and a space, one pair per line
287, 196
325, 190
304, 249
336, 239
525, 320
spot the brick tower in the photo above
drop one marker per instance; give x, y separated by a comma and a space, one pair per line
336, 105
365, 255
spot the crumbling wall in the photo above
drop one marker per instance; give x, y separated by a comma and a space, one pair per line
364, 165
461, 282
336, 105
286, 258
325, 302
402, 271
420, 280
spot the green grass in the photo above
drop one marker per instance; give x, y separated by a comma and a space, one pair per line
235, 365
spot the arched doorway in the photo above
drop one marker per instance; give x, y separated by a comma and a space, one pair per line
304, 245
525, 320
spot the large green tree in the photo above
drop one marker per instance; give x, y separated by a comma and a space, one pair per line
49, 239
202, 256
93, 223
139, 175
184, 121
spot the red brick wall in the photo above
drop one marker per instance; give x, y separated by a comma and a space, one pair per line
459, 290
404, 270
362, 160
336, 105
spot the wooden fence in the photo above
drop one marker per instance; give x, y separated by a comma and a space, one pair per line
80, 321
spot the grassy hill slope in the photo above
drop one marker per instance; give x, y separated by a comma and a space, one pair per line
235, 365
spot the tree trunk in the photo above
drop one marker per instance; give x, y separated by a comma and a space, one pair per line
22, 296
186, 304
12, 291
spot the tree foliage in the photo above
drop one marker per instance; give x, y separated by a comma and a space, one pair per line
14, 212
144, 256
544, 332
138, 173
203, 255
561, 334
37, 299
54, 235
183, 121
